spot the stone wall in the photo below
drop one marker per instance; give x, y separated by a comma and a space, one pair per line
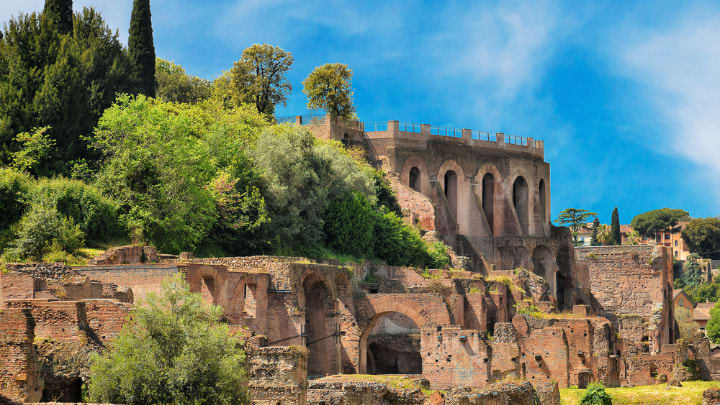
141, 278
19, 376
278, 375
132, 254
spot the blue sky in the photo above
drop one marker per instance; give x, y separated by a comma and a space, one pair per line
626, 95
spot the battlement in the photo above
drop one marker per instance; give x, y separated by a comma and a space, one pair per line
393, 129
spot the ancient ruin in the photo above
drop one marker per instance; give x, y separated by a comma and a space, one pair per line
521, 303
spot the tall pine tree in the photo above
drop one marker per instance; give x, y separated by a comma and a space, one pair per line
615, 227
59, 15
141, 49
596, 227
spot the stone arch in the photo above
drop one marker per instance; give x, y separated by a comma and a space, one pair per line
421, 182
393, 346
414, 181
544, 265
454, 188
320, 327
388, 304
491, 198
521, 202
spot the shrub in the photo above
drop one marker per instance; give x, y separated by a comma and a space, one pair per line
399, 244
96, 215
596, 395
350, 224
439, 256
13, 188
174, 349
41, 230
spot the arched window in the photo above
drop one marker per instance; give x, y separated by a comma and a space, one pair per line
541, 197
520, 202
451, 191
488, 198
414, 179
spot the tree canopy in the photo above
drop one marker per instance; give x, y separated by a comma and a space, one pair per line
259, 77
141, 48
58, 15
174, 85
712, 329
172, 350
329, 87
574, 218
702, 235
648, 224
615, 227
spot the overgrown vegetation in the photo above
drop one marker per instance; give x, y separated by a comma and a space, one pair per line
660, 394
174, 349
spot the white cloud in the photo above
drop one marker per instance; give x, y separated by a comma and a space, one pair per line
679, 68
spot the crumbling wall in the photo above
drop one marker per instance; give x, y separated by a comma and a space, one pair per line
20, 378
278, 375
131, 254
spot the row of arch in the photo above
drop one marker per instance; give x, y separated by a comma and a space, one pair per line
490, 187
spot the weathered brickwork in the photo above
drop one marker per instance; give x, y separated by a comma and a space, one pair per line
19, 376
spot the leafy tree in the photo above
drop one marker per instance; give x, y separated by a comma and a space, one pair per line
712, 329
157, 169
702, 235
350, 225
63, 82
141, 48
648, 224
704, 292
33, 155
596, 226
174, 85
615, 227
59, 15
595, 395
172, 350
259, 77
14, 186
691, 273
574, 218
604, 236
329, 87
399, 244
633, 238
385, 194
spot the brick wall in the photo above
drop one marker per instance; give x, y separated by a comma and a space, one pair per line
19, 370
142, 279
453, 357
278, 375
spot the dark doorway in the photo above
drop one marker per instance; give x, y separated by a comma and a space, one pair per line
320, 329
520, 202
488, 198
415, 179
451, 191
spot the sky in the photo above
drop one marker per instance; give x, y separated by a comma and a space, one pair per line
626, 95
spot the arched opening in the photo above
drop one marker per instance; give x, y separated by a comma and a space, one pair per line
520, 202
544, 265
65, 389
414, 182
541, 197
393, 345
563, 262
451, 191
207, 289
488, 198
320, 328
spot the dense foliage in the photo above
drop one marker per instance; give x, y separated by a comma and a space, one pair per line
60, 81
712, 329
259, 77
615, 227
173, 350
650, 223
596, 395
705, 292
691, 273
141, 49
174, 85
329, 88
702, 236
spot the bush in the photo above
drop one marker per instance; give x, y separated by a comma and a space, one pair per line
42, 230
440, 259
596, 395
350, 225
96, 215
14, 186
399, 244
174, 349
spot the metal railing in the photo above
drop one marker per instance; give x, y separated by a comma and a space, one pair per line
483, 136
376, 126
410, 127
313, 119
516, 140
449, 132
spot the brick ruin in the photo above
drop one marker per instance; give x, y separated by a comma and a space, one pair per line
521, 303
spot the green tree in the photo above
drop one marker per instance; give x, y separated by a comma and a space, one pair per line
63, 82
595, 395
712, 329
259, 77
329, 87
574, 217
704, 292
350, 225
59, 15
34, 154
604, 236
648, 224
141, 48
595, 228
172, 350
174, 85
615, 228
690, 277
702, 235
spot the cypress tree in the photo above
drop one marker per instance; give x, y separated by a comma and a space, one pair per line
615, 227
596, 226
59, 14
141, 49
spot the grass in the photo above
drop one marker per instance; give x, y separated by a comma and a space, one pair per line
689, 394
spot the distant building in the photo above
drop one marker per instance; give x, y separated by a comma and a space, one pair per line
681, 299
701, 313
672, 237
584, 234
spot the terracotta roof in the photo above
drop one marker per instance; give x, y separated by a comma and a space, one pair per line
625, 228
702, 311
